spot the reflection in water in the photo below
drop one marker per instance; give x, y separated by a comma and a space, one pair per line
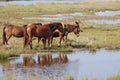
44, 65
80, 64
44, 59
62, 58
28, 60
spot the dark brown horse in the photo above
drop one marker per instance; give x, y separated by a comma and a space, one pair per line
44, 33
75, 28
10, 30
69, 27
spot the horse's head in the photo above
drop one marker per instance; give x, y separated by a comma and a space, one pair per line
77, 29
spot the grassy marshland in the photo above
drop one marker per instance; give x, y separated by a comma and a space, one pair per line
94, 36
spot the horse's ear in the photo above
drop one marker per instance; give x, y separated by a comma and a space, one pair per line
64, 25
25, 25
78, 21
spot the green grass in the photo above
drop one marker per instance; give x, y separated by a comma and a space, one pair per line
96, 36
36, 10
93, 37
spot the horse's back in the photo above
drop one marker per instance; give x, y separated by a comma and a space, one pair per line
39, 31
16, 31
70, 23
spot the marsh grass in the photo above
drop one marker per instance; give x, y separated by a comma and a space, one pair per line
36, 10
65, 77
98, 36
93, 37
115, 77
13, 76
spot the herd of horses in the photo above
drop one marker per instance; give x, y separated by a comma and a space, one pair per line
44, 32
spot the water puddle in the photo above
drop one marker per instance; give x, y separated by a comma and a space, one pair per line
107, 13
23, 2
79, 64
4, 3
104, 21
57, 17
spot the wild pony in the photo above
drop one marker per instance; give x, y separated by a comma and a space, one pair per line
70, 27
44, 33
10, 30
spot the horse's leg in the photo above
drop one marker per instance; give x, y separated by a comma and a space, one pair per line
25, 41
4, 36
49, 42
7, 38
30, 40
38, 40
30, 44
60, 39
44, 43
66, 36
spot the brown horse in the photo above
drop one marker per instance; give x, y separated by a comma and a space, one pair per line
69, 27
44, 33
75, 28
10, 30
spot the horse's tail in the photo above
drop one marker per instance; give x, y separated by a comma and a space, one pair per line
25, 36
4, 36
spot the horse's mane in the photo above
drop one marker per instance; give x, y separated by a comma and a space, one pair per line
53, 26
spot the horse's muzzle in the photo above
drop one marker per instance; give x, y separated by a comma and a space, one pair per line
81, 30
77, 35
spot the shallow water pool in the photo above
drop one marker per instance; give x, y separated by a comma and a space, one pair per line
81, 64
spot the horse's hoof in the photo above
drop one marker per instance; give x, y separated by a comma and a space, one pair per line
44, 48
58, 45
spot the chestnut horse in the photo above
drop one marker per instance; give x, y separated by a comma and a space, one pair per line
70, 27
44, 33
10, 30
